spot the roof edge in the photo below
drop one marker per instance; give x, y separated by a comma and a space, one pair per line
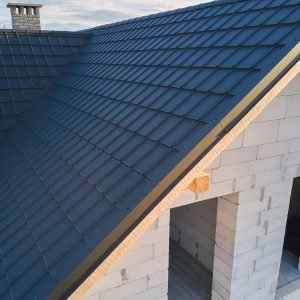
153, 204
210, 3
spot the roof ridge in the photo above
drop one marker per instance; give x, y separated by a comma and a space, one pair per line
211, 3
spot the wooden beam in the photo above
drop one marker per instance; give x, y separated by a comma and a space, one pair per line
200, 184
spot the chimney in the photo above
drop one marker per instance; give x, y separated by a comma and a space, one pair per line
25, 16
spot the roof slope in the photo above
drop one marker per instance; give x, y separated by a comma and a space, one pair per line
28, 64
94, 155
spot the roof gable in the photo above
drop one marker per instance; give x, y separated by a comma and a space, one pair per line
136, 101
28, 64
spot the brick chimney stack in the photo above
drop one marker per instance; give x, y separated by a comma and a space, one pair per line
25, 16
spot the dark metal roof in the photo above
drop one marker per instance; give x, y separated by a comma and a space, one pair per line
142, 98
28, 64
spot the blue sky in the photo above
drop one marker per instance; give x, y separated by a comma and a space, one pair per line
79, 14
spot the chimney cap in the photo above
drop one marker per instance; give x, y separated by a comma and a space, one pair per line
24, 5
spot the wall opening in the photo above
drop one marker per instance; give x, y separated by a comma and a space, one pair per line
290, 267
192, 243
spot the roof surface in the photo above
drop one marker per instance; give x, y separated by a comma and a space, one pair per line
28, 64
136, 100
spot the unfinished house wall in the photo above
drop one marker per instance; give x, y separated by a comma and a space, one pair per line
256, 173
253, 180
193, 227
142, 272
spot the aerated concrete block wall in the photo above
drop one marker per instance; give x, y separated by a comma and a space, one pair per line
142, 272
253, 179
193, 227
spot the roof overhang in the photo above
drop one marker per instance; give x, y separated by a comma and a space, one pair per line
162, 196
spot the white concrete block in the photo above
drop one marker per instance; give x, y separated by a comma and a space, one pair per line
276, 212
223, 255
266, 261
244, 269
161, 249
294, 145
265, 178
276, 224
273, 247
146, 268
227, 219
220, 290
289, 129
274, 111
248, 257
278, 188
248, 221
216, 296
246, 246
157, 279
215, 164
251, 195
291, 159
224, 188
164, 219
224, 173
237, 143
279, 200
258, 166
292, 88
245, 169
125, 291
274, 236
133, 257
245, 183
293, 106
158, 292
223, 268
272, 149
252, 208
236, 156
222, 279
267, 271
290, 172
261, 133
152, 236
260, 294
249, 233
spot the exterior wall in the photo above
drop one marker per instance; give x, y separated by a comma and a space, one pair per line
142, 273
193, 227
252, 180
26, 21
257, 173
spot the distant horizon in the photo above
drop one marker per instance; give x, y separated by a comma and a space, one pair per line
77, 15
